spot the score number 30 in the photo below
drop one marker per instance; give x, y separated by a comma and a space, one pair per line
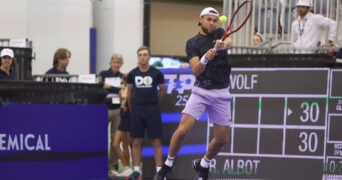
309, 141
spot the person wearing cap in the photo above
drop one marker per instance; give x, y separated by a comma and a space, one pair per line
305, 30
61, 60
6, 65
208, 59
257, 39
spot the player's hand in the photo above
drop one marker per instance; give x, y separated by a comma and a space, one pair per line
210, 54
220, 45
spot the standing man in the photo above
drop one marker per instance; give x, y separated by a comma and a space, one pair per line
145, 89
6, 65
208, 59
111, 80
305, 30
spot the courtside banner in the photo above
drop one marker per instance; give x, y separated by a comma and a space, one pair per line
53, 141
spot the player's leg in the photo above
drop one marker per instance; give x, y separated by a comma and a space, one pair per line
177, 140
193, 110
220, 116
178, 137
216, 144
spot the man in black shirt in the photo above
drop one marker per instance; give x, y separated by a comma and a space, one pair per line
145, 88
208, 58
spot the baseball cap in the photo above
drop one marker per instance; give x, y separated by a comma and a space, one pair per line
306, 3
7, 52
209, 11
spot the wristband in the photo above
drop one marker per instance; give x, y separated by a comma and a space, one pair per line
203, 60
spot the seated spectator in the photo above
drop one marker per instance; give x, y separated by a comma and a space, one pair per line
257, 39
60, 62
6, 65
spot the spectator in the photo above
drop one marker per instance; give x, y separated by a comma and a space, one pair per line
111, 80
7, 64
305, 30
122, 140
208, 59
257, 39
61, 60
145, 88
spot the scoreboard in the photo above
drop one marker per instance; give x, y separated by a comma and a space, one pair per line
287, 124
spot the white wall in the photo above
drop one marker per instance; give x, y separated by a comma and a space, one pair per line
119, 27
13, 19
52, 24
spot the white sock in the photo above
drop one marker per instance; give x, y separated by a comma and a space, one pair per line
205, 162
158, 168
169, 161
136, 168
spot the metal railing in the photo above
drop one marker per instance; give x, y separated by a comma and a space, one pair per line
282, 48
67, 78
273, 19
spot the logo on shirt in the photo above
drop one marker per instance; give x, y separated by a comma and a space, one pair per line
143, 82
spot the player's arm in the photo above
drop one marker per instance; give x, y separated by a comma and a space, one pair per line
129, 95
198, 64
331, 24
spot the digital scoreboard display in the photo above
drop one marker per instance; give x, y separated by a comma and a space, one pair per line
287, 124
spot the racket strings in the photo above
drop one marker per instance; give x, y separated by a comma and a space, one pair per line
241, 16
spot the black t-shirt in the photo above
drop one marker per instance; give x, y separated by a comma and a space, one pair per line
11, 76
145, 85
217, 71
54, 70
109, 74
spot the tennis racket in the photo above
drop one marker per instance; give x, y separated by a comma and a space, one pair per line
239, 19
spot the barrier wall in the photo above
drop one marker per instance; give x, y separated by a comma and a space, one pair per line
52, 131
